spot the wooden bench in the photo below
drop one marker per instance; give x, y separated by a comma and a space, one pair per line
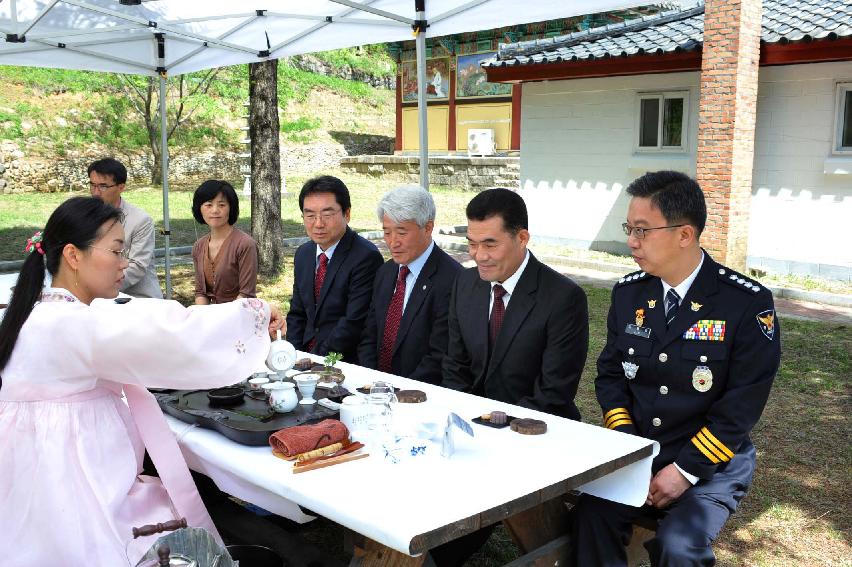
543, 535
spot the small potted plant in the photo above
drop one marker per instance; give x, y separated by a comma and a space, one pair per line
329, 373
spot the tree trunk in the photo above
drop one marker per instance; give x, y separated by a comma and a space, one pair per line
157, 168
265, 165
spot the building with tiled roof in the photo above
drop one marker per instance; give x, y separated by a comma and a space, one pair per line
602, 106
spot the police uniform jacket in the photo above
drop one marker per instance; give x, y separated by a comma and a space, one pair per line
698, 386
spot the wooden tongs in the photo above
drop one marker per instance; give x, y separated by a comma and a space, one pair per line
342, 455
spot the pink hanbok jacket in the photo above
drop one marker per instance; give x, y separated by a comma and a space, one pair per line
70, 448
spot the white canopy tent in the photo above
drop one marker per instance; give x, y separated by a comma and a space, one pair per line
158, 37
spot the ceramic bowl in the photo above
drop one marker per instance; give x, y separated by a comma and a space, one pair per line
230, 396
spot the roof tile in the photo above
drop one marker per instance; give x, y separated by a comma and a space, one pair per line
783, 20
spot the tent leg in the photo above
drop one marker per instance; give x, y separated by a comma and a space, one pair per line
420, 46
164, 149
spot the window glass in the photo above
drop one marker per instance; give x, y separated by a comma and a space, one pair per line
846, 134
672, 121
649, 119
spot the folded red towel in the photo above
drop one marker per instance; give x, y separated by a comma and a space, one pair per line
301, 438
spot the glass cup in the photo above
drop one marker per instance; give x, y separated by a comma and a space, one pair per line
381, 400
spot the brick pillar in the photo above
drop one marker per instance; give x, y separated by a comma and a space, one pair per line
726, 118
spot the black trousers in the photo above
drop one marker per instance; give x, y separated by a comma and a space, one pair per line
686, 529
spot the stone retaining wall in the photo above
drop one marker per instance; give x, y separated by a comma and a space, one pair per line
22, 173
459, 171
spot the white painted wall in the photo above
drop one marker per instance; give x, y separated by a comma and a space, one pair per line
578, 154
801, 210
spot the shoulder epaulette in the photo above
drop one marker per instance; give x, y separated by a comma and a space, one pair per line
632, 277
738, 280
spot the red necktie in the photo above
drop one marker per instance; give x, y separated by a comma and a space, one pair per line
319, 278
392, 321
498, 310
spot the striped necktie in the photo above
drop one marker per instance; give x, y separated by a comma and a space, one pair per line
672, 303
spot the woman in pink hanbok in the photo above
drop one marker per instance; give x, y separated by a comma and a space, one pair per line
71, 447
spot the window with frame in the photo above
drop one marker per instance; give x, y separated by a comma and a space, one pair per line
843, 137
662, 121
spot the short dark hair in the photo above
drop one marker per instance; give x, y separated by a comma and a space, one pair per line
77, 221
677, 195
501, 202
326, 184
207, 191
110, 166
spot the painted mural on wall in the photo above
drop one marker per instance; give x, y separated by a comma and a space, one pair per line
471, 80
437, 79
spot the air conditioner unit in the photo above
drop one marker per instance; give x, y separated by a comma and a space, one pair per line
480, 142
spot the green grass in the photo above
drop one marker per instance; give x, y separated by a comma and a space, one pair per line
58, 80
295, 84
22, 214
301, 129
97, 112
372, 59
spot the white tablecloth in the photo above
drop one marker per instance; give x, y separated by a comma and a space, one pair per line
393, 503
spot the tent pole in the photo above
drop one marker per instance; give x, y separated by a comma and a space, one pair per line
420, 46
164, 155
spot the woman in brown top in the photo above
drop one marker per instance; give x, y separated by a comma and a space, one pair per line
225, 260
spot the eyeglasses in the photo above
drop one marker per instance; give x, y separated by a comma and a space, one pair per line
101, 186
325, 216
639, 232
123, 253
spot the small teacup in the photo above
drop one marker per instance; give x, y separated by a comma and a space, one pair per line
307, 384
255, 384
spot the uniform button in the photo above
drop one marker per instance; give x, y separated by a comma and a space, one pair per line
664, 390
702, 358
663, 357
657, 422
630, 350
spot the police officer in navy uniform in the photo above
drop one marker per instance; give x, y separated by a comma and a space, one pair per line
692, 349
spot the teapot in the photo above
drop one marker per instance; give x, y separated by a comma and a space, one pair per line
282, 396
282, 355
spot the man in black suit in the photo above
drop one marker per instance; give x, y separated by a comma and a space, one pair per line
333, 274
518, 330
406, 332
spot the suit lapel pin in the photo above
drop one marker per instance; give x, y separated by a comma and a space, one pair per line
640, 317
696, 306
652, 303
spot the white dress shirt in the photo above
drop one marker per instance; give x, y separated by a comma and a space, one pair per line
509, 284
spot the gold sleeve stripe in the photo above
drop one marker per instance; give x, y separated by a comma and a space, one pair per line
619, 422
710, 447
707, 453
614, 411
616, 417
721, 446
